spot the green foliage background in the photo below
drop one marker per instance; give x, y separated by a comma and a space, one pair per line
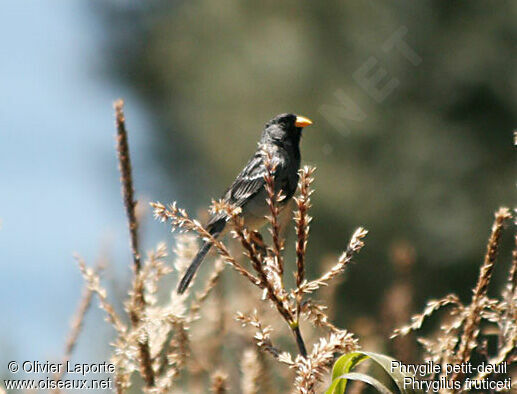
427, 166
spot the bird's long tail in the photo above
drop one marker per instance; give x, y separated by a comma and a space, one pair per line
191, 270
215, 230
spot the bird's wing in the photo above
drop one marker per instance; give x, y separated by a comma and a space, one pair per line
249, 182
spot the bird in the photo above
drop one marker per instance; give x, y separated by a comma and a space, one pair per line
281, 138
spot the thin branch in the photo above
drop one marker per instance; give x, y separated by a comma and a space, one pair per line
431, 307
354, 246
126, 178
210, 284
273, 292
93, 280
512, 276
470, 328
302, 221
316, 314
270, 280
263, 335
310, 370
272, 200
76, 326
180, 220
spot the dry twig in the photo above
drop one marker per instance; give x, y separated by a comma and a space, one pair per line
76, 325
272, 200
138, 305
470, 329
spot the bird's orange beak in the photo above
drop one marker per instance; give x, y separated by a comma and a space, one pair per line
302, 121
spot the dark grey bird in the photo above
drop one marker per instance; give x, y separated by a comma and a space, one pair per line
281, 138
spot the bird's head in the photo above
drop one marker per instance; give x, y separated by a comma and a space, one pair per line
285, 128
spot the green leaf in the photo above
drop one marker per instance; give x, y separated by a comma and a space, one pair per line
367, 379
347, 362
343, 365
397, 376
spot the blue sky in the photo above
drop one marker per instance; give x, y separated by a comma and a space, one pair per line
59, 189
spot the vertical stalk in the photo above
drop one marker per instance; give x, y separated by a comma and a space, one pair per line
299, 340
126, 179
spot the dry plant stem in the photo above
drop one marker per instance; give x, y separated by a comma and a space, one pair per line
179, 219
138, 306
75, 329
257, 263
263, 334
302, 220
431, 307
78, 319
510, 294
470, 328
354, 246
272, 202
310, 370
272, 291
127, 181
77, 325
181, 343
299, 340
459, 335
316, 314
512, 277
203, 295
93, 280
